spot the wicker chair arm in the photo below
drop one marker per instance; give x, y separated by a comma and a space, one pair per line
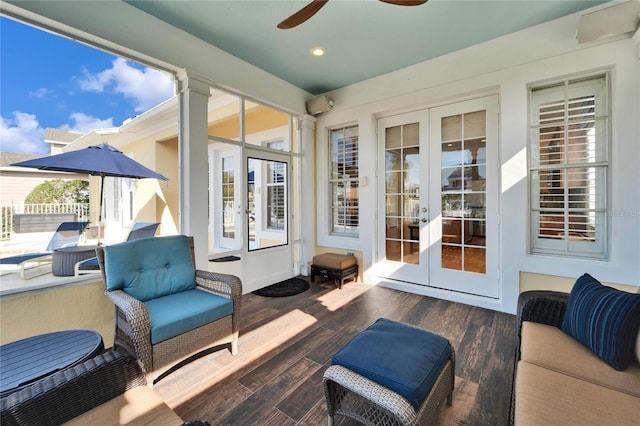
71, 392
132, 320
379, 395
224, 285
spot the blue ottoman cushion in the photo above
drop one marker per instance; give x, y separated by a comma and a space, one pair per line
398, 356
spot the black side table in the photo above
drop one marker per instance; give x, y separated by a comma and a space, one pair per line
65, 259
29, 360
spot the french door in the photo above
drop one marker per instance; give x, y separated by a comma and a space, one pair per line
268, 248
439, 194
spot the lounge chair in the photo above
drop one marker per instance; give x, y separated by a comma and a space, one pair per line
33, 264
138, 230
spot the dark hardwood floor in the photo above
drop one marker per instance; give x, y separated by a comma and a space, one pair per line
287, 343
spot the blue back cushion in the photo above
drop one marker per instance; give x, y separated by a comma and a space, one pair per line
400, 357
604, 319
150, 267
178, 313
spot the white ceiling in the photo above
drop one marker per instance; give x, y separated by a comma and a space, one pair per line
363, 38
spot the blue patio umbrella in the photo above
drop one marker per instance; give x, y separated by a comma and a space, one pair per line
98, 160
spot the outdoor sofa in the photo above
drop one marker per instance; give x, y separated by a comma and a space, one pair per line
560, 380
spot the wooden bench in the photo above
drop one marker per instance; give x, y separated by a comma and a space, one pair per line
334, 266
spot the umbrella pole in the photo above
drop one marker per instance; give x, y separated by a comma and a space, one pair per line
101, 192
100, 204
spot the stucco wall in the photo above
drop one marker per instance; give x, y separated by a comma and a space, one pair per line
75, 306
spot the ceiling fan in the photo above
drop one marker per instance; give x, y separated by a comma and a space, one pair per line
312, 8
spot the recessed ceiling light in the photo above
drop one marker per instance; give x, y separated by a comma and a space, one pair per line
318, 51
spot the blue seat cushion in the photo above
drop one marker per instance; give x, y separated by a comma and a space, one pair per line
89, 265
400, 357
150, 267
178, 313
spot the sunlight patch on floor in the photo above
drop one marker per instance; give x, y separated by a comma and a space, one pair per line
337, 298
251, 347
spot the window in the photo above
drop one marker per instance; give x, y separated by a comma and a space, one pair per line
344, 180
568, 168
118, 196
228, 197
275, 195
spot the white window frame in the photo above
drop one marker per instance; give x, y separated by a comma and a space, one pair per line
343, 229
557, 172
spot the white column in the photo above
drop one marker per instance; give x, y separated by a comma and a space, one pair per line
307, 126
193, 164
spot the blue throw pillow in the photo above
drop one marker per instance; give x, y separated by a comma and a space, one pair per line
604, 319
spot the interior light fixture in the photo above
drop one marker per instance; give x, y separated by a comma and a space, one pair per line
318, 51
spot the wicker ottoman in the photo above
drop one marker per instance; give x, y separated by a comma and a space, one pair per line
334, 266
391, 374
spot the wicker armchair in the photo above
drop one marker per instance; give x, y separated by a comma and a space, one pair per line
134, 325
69, 393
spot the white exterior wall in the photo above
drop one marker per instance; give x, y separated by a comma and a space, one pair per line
504, 66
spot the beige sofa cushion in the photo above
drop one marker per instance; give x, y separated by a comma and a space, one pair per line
137, 406
549, 347
544, 397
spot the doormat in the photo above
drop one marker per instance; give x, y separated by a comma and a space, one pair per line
225, 259
289, 287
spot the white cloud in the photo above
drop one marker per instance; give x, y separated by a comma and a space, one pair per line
40, 93
85, 123
145, 87
22, 133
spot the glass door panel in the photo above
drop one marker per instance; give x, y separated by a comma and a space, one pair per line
228, 198
224, 200
464, 152
267, 224
402, 193
403, 232
463, 165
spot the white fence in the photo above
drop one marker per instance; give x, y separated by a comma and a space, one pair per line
9, 210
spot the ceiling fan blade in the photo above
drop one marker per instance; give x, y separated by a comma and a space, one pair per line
302, 15
405, 2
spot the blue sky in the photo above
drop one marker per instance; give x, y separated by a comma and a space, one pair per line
50, 81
